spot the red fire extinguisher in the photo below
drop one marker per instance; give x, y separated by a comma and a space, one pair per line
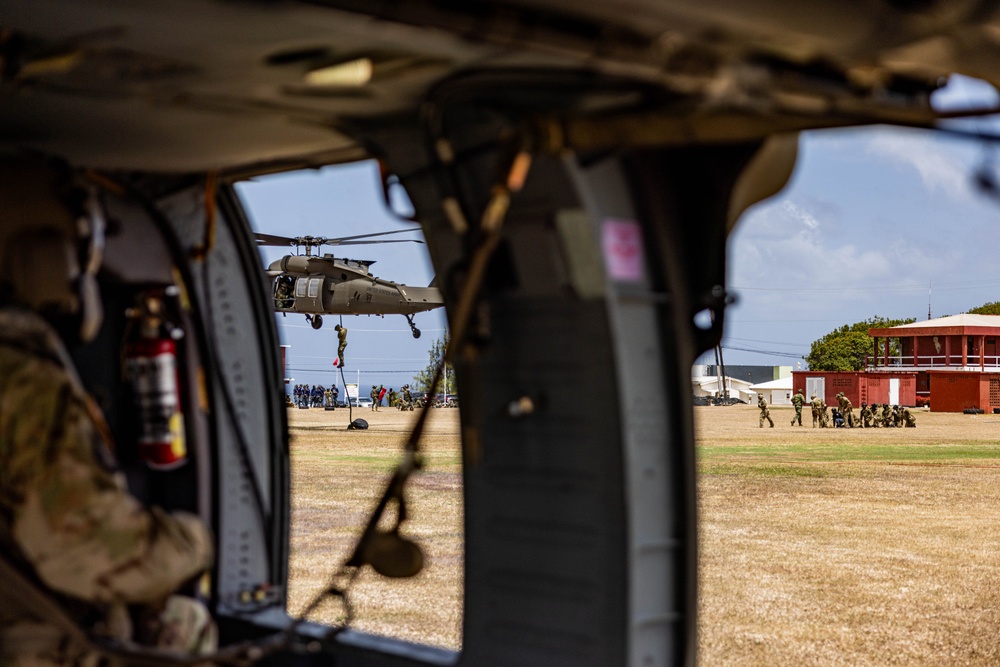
151, 366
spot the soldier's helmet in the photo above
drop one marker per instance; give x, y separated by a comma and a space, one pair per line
53, 229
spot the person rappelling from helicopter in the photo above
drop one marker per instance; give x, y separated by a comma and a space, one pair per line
342, 344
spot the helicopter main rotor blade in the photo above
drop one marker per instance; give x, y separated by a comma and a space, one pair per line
383, 241
341, 239
313, 241
271, 239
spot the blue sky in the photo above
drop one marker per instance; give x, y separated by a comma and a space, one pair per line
871, 220
874, 222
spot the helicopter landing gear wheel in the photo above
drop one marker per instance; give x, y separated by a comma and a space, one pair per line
413, 328
315, 320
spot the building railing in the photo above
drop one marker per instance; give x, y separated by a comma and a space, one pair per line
932, 361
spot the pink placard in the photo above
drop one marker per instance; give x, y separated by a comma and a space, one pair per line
623, 248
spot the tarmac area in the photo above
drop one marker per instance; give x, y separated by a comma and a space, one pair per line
816, 546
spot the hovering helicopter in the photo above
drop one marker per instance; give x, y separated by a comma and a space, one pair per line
325, 285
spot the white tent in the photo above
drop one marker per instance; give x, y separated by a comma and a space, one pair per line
775, 392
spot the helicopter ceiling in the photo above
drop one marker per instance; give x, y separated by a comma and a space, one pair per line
310, 242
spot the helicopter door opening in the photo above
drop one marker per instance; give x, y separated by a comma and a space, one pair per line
337, 473
284, 293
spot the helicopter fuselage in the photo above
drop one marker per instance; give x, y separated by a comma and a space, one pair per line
329, 286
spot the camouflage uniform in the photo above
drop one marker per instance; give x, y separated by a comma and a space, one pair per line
66, 516
342, 338
374, 396
764, 413
909, 421
847, 408
817, 409
798, 400
866, 416
407, 402
886, 415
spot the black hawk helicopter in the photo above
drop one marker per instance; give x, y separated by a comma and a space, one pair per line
326, 285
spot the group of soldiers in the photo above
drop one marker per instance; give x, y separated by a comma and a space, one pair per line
872, 416
401, 400
316, 396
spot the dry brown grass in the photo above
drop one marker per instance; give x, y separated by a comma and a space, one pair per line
337, 477
818, 547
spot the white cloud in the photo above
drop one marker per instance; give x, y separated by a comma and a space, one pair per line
941, 167
785, 246
801, 214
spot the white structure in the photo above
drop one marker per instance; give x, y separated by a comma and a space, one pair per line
709, 386
775, 392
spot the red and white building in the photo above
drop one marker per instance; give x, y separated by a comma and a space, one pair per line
952, 361
956, 359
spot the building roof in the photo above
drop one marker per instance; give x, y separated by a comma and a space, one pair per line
780, 383
943, 326
703, 380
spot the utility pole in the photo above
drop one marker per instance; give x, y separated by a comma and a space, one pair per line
720, 366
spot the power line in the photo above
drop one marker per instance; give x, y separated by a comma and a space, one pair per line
332, 357
952, 286
355, 329
732, 320
773, 353
346, 370
752, 340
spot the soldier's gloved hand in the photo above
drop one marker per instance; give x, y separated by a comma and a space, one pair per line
180, 624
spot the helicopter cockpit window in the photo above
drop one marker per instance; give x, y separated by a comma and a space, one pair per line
370, 355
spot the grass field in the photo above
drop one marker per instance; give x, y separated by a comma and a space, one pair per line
818, 546
848, 546
337, 477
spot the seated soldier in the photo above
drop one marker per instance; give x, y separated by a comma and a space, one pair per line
67, 522
284, 292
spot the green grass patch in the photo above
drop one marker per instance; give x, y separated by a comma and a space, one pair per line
828, 452
761, 470
379, 462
